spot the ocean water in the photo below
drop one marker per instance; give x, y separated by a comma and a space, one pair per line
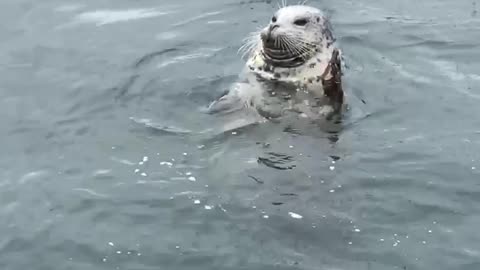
108, 161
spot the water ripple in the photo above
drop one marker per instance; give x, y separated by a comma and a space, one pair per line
91, 192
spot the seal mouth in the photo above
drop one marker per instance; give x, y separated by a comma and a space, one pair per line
281, 52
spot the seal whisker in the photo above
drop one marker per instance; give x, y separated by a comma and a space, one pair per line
247, 49
252, 35
301, 50
250, 42
283, 44
300, 37
245, 46
290, 46
301, 43
295, 44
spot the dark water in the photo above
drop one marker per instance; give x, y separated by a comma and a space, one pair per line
89, 90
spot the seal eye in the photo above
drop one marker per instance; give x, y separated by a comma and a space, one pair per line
300, 22
274, 19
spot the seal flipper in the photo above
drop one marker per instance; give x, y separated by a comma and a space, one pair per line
224, 103
235, 107
332, 81
240, 96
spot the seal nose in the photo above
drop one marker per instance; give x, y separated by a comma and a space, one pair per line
272, 27
270, 30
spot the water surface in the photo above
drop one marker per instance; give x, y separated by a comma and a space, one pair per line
105, 165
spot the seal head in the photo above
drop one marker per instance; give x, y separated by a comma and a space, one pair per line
294, 35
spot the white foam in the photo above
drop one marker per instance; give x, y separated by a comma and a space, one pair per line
169, 164
123, 161
103, 17
167, 36
102, 172
295, 215
217, 22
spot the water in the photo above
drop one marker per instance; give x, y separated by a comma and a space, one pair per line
108, 162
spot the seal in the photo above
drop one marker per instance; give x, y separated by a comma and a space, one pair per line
293, 65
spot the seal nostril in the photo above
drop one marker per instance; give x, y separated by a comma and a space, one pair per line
273, 26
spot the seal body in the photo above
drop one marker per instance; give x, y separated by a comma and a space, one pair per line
293, 65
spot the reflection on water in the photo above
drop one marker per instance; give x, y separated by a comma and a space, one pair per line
111, 163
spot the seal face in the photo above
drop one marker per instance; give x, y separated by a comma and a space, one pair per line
295, 34
293, 57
